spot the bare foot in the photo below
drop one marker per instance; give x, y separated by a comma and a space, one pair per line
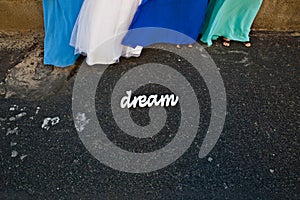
247, 44
178, 46
226, 42
190, 46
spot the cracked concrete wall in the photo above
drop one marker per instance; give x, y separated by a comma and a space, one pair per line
22, 15
279, 15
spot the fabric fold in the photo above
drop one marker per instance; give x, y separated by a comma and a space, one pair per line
100, 28
59, 19
183, 19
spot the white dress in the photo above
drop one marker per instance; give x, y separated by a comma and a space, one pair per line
100, 28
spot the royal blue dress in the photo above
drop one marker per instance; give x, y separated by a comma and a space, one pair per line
59, 19
183, 17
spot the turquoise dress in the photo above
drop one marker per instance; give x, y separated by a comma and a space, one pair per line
229, 18
59, 19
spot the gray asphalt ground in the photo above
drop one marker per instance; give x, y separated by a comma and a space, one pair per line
256, 157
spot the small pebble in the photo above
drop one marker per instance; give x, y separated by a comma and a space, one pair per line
23, 156
21, 115
37, 110
14, 154
13, 108
13, 144
225, 186
12, 119
48, 122
12, 131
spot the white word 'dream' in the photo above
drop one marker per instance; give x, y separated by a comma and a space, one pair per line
144, 101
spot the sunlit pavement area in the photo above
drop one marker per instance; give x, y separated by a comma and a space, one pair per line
256, 157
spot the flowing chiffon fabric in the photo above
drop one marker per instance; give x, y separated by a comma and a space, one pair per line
172, 21
229, 18
59, 19
100, 28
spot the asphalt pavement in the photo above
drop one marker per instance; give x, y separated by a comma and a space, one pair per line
256, 156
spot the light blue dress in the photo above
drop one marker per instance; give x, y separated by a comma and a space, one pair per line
59, 19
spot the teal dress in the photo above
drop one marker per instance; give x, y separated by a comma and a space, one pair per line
231, 19
59, 19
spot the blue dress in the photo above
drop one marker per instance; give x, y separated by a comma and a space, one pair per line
174, 21
59, 19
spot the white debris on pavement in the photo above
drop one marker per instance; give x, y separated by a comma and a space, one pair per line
81, 121
55, 121
12, 119
13, 144
13, 108
37, 110
272, 171
48, 122
14, 154
2, 120
210, 159
20, 115
23, 156
45, 124
225, 186
12, 131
